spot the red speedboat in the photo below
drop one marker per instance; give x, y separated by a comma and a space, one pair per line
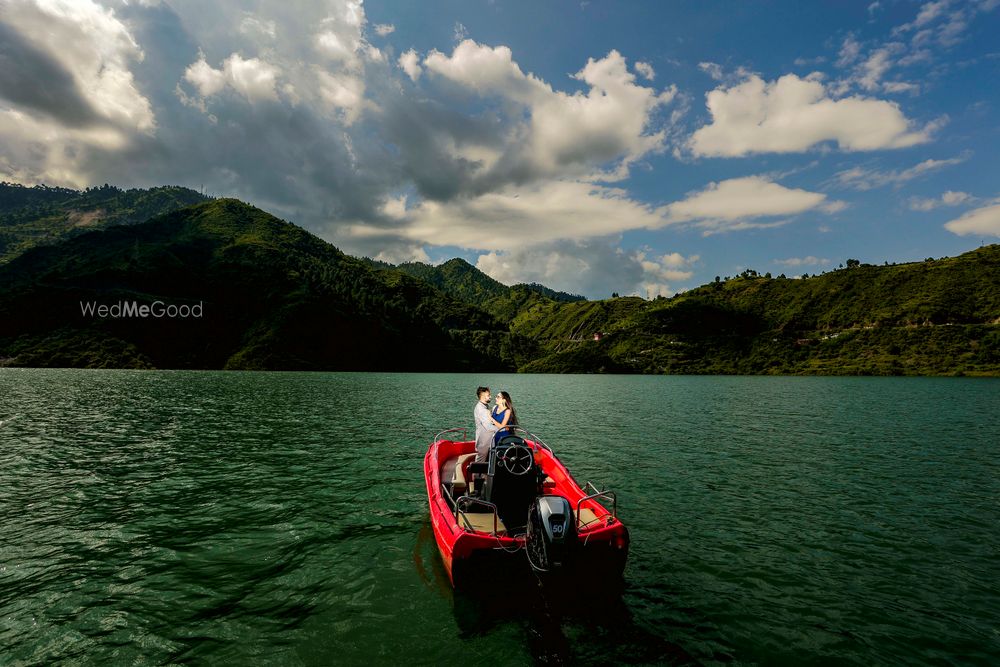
521, 500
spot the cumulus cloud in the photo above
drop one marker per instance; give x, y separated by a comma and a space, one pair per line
340, 37
409, 62
253, 78
564, 134
66, 70
593, 267
794, 114
861, 178
714, 70
983, 221
518, 217
949, 198
383, 29
742, 203
299, 113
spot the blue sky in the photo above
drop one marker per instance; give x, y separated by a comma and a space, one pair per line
594, 147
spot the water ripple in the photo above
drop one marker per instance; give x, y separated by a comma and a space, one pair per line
165, 517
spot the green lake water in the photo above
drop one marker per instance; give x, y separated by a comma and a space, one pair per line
281, 518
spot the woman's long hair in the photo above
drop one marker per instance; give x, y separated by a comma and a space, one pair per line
510, 405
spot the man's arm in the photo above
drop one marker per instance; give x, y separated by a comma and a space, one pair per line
483, 417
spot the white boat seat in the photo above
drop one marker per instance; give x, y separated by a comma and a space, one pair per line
587, 517
482, 522
458, 482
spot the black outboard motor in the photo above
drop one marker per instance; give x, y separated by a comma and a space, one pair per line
551, 533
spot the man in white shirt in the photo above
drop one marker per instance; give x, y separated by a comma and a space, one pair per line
485, 428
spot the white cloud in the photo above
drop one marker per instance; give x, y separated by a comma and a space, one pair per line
949, 198
871, 71
645, 70
742, 203
84, 96
984, 221
795, 262
900, 87
409, 62
253, 78
487, 71
345, 93
204, 77
340, 35
96, 49
714, 70
519, 217
794, 114
595, 268
669, 267
860, 178
384, 29
566, 134
850, 50
255, 26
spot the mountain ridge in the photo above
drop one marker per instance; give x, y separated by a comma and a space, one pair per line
278, 297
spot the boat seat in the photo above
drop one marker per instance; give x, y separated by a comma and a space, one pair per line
587, 517
483, 522
458, 482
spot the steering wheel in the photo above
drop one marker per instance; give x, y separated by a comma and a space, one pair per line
517, 459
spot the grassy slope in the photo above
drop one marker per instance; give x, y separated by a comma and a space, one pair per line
936, 317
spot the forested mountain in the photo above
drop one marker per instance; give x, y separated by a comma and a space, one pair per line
42, 215
274, 296
464, 281
932, 317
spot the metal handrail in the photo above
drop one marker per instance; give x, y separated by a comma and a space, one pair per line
599, 494
589, 484
534, 438
513, 428
470, 499
463, 429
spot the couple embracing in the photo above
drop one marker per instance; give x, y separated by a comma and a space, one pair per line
491, 425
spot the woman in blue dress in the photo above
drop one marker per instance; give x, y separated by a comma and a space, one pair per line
503, 416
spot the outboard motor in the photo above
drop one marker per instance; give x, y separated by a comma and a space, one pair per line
551, 533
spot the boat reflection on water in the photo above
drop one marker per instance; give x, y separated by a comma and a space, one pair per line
565, 623
561, 621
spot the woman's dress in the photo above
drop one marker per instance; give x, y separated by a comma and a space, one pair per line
499, 415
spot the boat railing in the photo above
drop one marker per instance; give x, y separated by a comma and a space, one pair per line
514, 430
600, 494
469, 500
458, 429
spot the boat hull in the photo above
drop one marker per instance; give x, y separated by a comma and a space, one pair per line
470, 557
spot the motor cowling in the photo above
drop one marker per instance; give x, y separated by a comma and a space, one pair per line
551, 533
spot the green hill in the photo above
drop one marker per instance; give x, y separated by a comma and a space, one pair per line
924, 318
43, 215
464, 281
273, 296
